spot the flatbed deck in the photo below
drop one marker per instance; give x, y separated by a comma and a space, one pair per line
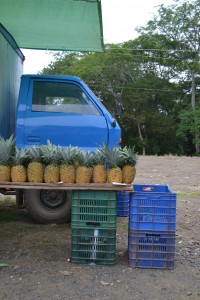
64, 186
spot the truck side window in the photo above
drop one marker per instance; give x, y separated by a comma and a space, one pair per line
61, 97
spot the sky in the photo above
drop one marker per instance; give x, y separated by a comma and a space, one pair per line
120, 18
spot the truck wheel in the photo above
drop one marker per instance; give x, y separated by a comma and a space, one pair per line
48, 206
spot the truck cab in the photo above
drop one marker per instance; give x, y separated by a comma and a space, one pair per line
65, 111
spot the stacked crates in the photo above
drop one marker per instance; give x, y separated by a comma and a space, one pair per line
93, 223
123, 199
152, 225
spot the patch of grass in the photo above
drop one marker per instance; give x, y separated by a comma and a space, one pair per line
8, 201
11, 214
188, 195
2, 265
180, 245
5, 218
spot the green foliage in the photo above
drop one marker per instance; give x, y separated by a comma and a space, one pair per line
179, 24
63, 64
189, 124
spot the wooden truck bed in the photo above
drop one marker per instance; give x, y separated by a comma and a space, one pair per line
63, 186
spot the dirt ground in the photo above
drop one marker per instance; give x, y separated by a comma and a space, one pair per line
37, 255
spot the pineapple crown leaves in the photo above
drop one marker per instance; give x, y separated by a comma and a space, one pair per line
20, 157
85, 158
50, 154
128, 156
68, 155
98, 158
7, 150
111, 155
34, 154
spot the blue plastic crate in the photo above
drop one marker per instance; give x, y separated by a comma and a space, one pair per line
122, 213
151, 249
123, 199
152, 207
151, 188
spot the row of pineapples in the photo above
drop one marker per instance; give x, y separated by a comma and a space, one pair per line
51, 164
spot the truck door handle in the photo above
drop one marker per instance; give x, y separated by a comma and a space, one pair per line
33, 139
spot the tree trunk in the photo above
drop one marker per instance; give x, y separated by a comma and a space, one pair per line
141, 139
193, 104
193, 100
197, 146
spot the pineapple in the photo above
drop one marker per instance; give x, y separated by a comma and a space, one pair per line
50, 156
129, 159
99, 174
6, 152
18, 169
35, 169
112, 158
67, 168
84, 169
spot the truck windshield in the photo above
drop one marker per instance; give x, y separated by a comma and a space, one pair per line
61, 97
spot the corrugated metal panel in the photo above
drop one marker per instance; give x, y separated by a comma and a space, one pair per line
11, 69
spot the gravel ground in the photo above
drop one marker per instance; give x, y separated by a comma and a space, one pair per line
37, 256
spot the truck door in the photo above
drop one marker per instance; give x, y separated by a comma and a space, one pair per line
65, 114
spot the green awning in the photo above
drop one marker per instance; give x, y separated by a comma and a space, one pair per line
74, 25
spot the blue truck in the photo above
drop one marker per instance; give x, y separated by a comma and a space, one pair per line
38, 108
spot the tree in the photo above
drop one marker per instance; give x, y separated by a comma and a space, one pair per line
63, 63
179, 25
190, 125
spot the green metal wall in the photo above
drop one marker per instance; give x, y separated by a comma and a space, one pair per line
11, 69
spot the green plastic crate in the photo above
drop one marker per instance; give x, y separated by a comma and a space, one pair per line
93, 246
94, 208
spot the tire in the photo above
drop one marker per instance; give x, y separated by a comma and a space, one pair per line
48, 206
